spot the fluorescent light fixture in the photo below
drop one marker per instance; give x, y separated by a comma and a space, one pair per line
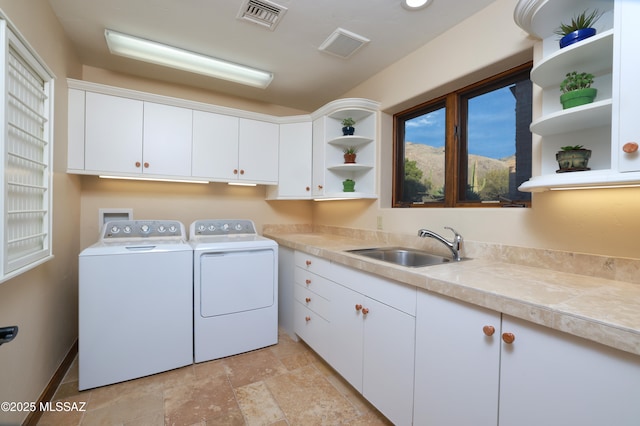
168, 56
154, 179
415, 4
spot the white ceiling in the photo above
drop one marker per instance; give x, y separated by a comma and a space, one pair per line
304, 77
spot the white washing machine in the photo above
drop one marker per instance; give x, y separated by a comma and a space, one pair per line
235, 279
135, 302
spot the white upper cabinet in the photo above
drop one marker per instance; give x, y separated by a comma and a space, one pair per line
258, 151
128, 136
215, 146
167, 140
294, 163
113, 134
605, 125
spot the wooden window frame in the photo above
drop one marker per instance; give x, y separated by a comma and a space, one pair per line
455, 150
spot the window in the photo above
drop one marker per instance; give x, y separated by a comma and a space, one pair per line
470, 148
27, 151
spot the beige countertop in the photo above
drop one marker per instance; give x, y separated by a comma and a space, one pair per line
602, 310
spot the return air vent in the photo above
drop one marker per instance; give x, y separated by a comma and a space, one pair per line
262, 12
343, 43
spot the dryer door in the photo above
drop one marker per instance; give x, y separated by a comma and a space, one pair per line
236, 281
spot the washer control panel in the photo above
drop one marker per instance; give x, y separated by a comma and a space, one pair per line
143, 229
221, 227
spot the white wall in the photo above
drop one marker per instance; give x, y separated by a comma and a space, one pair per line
43, 301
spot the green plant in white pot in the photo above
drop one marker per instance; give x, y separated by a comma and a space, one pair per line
576, 89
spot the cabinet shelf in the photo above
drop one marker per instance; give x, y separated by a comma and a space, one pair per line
351, 167
592, 55
578, 118
355, 140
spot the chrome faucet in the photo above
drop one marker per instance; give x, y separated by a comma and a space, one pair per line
455, 246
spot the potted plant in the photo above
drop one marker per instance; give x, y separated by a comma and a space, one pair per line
576, 89
348, 185
348, 129
578, 29
573, 158
350, 154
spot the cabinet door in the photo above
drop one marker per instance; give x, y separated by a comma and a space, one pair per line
215, 146
628, 85
113, 141
318, 169
167, 140
457, 364
75, 127
552, 378
388, 361
258, 151
294, 179
346, 346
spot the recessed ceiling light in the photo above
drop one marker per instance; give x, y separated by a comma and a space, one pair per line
415, 4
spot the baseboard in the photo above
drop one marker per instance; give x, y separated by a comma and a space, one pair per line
34, 416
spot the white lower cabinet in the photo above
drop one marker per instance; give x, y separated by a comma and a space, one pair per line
457, 364
552, 378
544, 377
372, 347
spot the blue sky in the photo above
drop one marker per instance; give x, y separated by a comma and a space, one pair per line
491, 125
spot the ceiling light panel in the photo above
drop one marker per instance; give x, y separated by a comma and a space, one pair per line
168, 56
343, 43
262, 12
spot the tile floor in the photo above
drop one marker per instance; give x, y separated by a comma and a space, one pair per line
285, 384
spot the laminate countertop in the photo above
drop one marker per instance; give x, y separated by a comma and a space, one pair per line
598, 309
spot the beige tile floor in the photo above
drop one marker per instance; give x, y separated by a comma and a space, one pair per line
285, 384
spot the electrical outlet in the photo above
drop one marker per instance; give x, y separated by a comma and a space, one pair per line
379, 219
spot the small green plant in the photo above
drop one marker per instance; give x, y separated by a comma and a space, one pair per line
571, 147
350, 150
575, 81
349, 180
348, 122
578, 22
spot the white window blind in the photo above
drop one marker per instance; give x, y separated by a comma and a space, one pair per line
26, 137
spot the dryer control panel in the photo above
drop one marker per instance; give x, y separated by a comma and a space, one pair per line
143, 229
222, 227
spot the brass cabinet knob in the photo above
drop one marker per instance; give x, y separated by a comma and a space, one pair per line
508, 338
235, 171
241, 171
365, 311
320, 186
307, 189
308, 262
358, 307
308, 299
307, 281
307, 319
489, 330
146, 165
137, 164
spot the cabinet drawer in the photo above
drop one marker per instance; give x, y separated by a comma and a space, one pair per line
311, 328
312, 263
311, 300
313, 282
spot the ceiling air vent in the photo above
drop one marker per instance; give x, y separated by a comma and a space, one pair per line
343, 43
262, 12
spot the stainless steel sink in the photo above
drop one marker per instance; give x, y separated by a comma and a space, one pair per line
402, 256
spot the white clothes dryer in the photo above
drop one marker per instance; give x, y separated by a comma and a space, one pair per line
235, 278
135, 302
